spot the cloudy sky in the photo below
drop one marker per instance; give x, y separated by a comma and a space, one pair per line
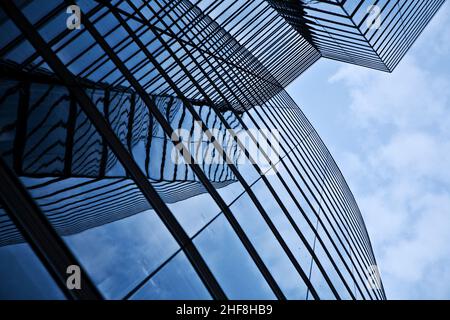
389, 133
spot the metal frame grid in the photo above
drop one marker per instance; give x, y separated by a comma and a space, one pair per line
140, 65
374, 34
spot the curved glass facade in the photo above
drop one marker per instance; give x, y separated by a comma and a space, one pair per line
152, 144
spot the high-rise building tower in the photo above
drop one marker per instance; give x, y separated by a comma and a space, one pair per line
152, 146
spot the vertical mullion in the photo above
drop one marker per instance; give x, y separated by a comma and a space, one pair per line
21, 127
70, 131
131, 121
104, 155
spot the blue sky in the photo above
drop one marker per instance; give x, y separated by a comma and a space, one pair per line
389, 133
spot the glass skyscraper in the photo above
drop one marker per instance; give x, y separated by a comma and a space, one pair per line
152, 145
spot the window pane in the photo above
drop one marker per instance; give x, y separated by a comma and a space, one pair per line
230, 262
22, 275
176, 280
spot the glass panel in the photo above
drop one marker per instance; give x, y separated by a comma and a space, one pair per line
230, 262
22, 275
269, 248
176, 280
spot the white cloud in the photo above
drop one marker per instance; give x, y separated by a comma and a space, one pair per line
400, 171
396, 99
